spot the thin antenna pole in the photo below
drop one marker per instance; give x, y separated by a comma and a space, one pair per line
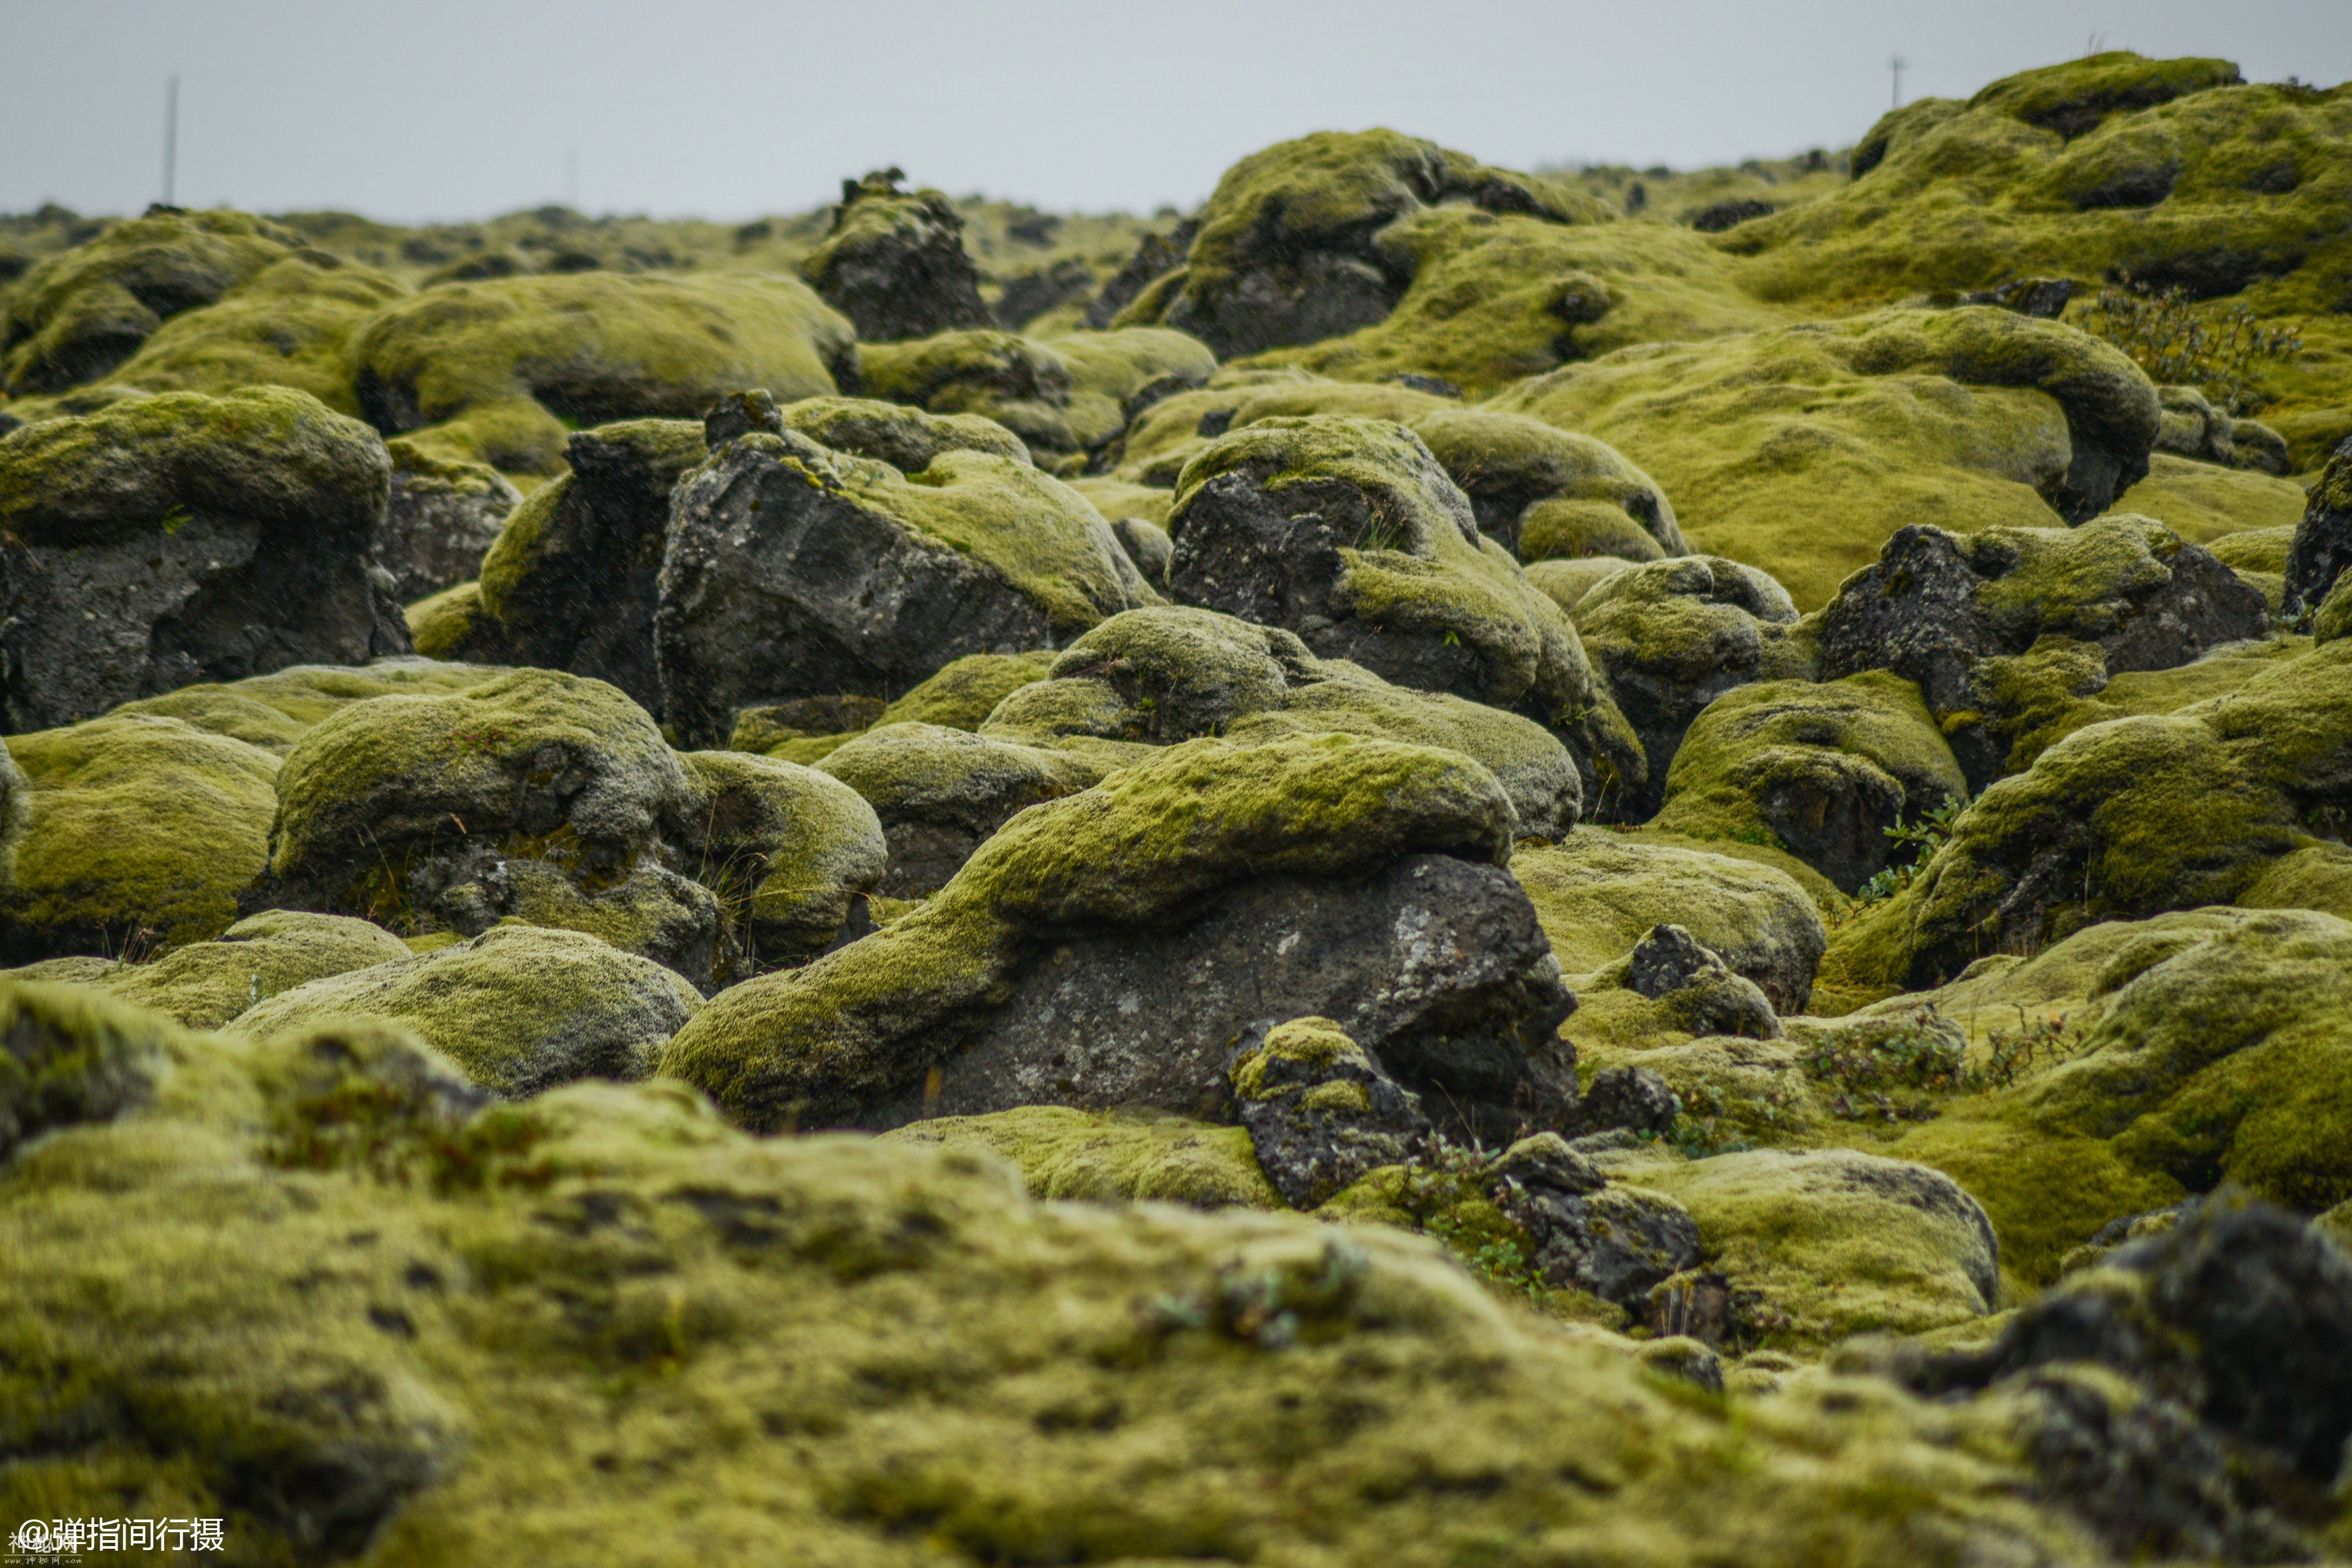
1895, 66
171, 135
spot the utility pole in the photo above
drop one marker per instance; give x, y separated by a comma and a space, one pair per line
171, 135
1895, 66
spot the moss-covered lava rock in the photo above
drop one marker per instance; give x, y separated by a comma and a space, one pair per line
181, 538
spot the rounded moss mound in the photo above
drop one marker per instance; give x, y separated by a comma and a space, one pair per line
208, 984
539, 796
140, 833
518, 1008
1106, 1157
1598, 894
1803, 450
1832, 1243
1819, 771
75, 316
343, 1252
940, 791
1160, 676
1347, 533
492, 371
966, 691
1673, 636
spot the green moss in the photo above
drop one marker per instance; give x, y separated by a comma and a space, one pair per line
143, 832
314, 1255
520, 1009
1108, 1157
75, 316
2127, 819
2035, 699
206, 985
1496, 299
1168, 674
1116, 499
1836, 1243
1412, 571
1566, 582
74, 1056
963, 693
810, 1042
274, 710
905, 438
455, 624
269, 455
1821, 770
1063, 395
1801, 451
1596, 893
489, 371
290, 324
786, 847
375, 780
537, 549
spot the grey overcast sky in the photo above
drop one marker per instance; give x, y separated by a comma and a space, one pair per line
461, 108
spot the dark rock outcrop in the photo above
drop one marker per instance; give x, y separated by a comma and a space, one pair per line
894, 262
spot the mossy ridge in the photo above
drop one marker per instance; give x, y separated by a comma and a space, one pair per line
263, 455
810, 1044
141, 833
967, 690
1156, 677
1493, 299
783, 1267
1969, 419
2035, 699
1062, 397
275, 710
2126, 819
490, 371
1107, 1157
78, 315
519, 1008
206, 984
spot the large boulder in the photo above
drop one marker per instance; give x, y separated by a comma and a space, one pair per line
1803, 450
1673, 636
794, 570
1936, 605
518, 1008
570, 581
182, 538
464, 1326
493, 371
552, 799
894, 262
1347, 531
1289, 249
2230, 800
1102, 949
1819, 771
78, 315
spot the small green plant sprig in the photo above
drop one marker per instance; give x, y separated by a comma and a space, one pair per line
1925, 833
2180, 343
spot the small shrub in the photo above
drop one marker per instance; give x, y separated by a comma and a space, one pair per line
2180, 343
